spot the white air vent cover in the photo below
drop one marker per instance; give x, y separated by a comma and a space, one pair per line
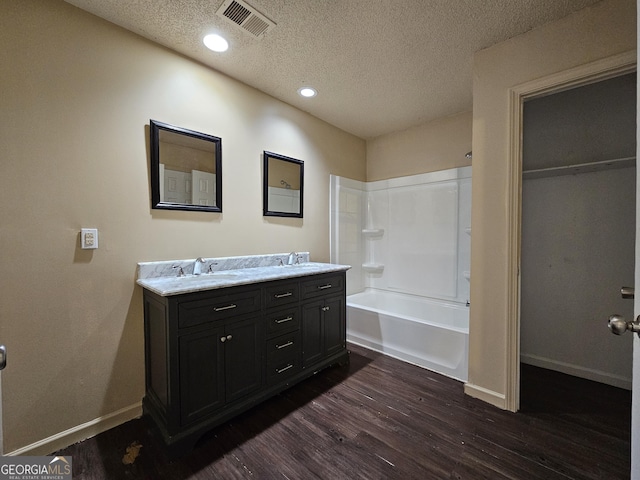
246, 17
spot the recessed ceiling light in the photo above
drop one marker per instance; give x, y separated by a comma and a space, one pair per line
216, 43
307, 92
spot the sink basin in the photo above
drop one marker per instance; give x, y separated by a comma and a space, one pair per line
203, 277
220, 275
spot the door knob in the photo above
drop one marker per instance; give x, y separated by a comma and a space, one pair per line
618, 325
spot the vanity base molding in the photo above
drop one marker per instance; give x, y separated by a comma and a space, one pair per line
211, 355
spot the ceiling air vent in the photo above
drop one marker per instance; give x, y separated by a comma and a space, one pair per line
246, 17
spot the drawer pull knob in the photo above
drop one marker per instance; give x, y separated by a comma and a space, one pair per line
283, 295
324, 287
228, 307
284, 345
283, 320
280, 370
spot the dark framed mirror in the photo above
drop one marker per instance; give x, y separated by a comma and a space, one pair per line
283, 186
186, 169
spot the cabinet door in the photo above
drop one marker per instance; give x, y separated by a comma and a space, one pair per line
244, 357
334, 313
201, 374
312, 333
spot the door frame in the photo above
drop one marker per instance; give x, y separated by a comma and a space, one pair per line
585, 74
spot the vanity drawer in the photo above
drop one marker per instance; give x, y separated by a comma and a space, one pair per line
284, 345
322, 285
283, 321
218, 307
281, 294
283, 357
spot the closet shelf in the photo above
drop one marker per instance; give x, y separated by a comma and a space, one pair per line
580, 168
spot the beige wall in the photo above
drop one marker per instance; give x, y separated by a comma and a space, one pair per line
433, 146
597, 32
76, 96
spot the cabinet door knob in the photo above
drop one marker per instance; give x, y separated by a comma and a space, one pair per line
325, 309
223, 339
229, 337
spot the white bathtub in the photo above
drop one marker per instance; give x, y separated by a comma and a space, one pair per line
425, 332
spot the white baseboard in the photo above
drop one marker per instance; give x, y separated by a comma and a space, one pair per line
80, 432
494, 398
577, 371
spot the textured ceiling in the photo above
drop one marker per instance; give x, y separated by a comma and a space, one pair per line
379, 65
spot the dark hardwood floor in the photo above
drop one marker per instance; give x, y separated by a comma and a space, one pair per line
380, 418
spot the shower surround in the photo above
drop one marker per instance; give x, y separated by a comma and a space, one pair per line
408, 241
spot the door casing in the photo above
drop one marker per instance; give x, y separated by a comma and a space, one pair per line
585, 74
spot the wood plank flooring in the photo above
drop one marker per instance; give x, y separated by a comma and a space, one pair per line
380, 418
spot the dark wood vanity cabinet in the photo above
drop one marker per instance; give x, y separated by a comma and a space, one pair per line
323, 326
218, 366
212, 355
323, 318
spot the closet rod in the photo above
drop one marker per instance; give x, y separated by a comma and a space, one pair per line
581, 167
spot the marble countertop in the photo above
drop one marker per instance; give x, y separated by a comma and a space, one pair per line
174, 285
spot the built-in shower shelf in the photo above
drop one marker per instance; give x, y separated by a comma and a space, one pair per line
373, 232
467, 275
373, 267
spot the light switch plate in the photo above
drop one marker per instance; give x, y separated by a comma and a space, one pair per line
89, 238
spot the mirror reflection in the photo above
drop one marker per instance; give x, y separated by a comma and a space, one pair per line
185, 169
282, 186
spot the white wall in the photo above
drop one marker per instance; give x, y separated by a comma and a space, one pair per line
578, 241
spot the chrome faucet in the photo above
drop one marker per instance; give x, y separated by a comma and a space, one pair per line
293, 258
197, 266
180, 270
